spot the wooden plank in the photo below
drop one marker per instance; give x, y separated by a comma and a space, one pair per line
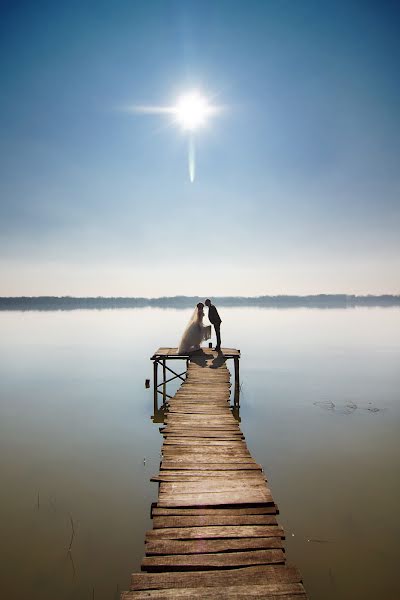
202, 419
273, 574
194, 442
215, 532
212, 394
211, 485
177, 408
290, 591
218, 403
223, 414
207, 520
204, 426
216, 455
253, 496
207, 459
169, 475
205, 423
174, 465
209, 546
205, 433
188, 448
252, 510
212, 561
198, 455
200, 475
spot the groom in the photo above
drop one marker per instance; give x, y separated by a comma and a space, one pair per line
215, 319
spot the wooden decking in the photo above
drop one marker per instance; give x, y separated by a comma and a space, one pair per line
215, 533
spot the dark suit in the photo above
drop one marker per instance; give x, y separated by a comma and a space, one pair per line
215, 319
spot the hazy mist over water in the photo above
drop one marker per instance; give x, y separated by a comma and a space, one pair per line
319, 408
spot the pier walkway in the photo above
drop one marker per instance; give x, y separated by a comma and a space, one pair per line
215, 533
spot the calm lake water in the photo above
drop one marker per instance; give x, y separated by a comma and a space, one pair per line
319, 407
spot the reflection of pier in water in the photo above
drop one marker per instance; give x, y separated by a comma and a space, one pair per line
215, 533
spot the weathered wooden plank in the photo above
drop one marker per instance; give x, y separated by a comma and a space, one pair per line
216, 451
200, 475
201, 420
202, 385
203, 389
201, 382
193, 386
225, 417
290, 591
209, 398
209, 395
209, 546
193, 441
169, 475
181, 409
221, 456
208, 520
207, 459
200, 428
219, 405
217, 400
273, 574
215, 532
212, 561
206, 433
251, 510
204, 442
205, 425
211, 485
174, 465
209, 389
189, 414
254, 495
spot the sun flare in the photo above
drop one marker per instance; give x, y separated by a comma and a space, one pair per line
192, 111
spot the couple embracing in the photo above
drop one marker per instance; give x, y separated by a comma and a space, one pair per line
196, 332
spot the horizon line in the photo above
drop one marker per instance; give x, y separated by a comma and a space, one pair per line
190, 296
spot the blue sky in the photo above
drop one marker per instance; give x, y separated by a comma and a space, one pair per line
298, 181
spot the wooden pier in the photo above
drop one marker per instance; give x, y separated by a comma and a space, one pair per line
215, 533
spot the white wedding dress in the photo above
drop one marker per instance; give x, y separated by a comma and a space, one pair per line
194, 333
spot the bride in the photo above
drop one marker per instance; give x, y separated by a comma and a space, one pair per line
195, 332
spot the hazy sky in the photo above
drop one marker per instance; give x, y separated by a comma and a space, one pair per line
298, 181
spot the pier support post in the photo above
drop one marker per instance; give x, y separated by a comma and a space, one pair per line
164, 382
155, 385
237, 381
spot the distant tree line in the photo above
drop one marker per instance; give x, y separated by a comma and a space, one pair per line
281, 301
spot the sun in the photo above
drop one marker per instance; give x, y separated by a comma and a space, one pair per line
192, 111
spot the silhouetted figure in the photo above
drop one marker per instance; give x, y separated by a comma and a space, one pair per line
215, 319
